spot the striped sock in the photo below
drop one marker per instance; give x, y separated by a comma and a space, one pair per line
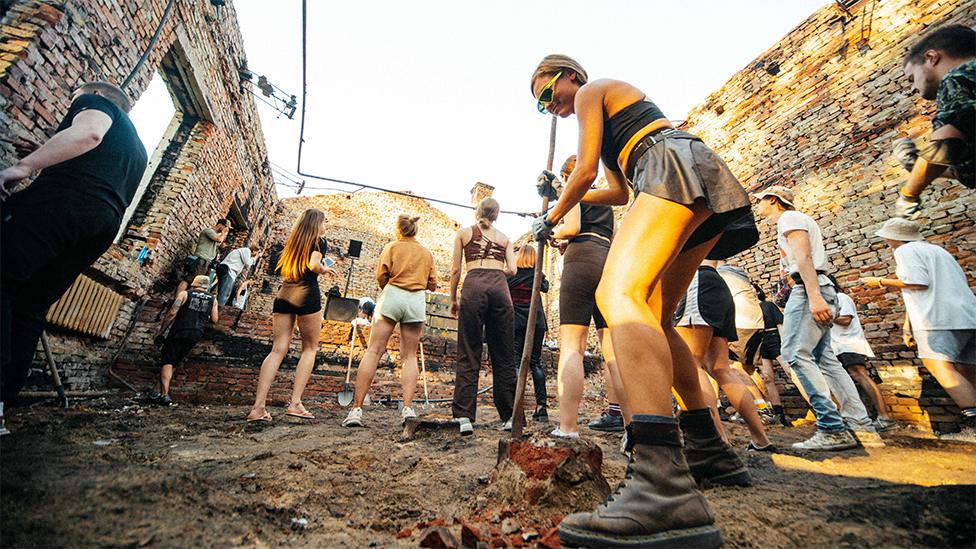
613, 409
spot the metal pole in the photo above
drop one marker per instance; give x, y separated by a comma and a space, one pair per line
518, 416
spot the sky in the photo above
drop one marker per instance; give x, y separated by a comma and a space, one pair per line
433, 96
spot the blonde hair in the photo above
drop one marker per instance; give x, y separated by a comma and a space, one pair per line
551, 64
487, 212
568, 166
109, 91
406, 225
303, 239
526, 256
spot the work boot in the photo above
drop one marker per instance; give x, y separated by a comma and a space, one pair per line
656, 504
710, 458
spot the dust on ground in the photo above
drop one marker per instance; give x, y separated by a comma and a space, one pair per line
112, 472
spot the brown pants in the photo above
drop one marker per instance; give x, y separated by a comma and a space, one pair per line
486, 306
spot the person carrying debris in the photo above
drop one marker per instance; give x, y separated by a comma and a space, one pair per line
941, 67
686, 197
940, 313
299, 301
405, 272
188, 315
485, 308
58, 226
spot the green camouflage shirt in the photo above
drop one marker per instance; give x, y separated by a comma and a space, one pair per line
955, 104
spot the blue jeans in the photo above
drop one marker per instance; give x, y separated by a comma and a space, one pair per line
806, 346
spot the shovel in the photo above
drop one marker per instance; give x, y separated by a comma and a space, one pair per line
423, 371
347, 393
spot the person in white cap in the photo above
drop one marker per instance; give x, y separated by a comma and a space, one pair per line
806, 328
940, 313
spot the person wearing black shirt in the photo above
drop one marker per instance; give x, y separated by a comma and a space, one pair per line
520, 286
58, 226
189, 314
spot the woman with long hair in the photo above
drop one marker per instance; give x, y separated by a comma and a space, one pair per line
520, 286
299, 301
685, 197
405, 272
587, 230
485, 307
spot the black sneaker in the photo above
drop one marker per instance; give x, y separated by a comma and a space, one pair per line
541, 414
164, 400
767, 448
607, 423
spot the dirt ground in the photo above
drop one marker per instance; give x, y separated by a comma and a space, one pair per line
111, 472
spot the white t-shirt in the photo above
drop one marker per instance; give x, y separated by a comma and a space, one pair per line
748, 313
792, 220
947, 303
236, 260
850, 338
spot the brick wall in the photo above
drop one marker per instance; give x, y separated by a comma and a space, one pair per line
213, 158
823, 124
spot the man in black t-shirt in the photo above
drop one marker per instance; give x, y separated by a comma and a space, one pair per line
58, 226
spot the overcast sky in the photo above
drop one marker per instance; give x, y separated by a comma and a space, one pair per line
433, 96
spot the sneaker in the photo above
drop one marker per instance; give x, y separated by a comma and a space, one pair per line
408, 413
354, 419
164, 400
869, 439
736, 418
881, 424
823, 440
607, 424
540, 414
557, 432
507, 426
464, 424
151, 397
771, 448
966, 434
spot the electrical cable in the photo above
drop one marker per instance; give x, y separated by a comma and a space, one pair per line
301, 141
149, 47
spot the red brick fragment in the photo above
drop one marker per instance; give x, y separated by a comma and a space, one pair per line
438, 537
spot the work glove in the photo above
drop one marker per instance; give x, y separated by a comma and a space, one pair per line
549, 185
542, 228
909, 208
905, 152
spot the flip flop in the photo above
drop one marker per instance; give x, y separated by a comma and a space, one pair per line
304, 414
266, 418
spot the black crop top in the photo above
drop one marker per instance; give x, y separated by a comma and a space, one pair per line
619, 128
596, 219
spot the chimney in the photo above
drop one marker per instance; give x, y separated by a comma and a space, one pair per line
479, 192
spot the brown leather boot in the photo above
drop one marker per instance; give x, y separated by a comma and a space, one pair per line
710, 458
655, 505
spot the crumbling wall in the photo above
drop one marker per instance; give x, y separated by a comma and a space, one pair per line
818, 112
213, 160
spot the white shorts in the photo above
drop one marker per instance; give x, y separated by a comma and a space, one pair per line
957, 346
404, 306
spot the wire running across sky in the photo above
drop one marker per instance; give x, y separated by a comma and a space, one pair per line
301, 142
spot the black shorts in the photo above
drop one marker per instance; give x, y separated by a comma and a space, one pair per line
175, 350
708, 302
582, 269
298, 298
850, 359
770, 346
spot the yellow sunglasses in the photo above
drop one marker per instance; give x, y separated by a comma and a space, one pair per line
545, 94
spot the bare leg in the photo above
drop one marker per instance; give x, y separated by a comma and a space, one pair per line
569, 377
310, 327
796, 380
379, 336
697, 339
960, 389
165, 376
769, 380
615, 386
739, 395
283, 326
860, 374
409, 373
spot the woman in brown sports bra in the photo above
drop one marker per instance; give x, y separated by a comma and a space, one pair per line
486, 306
685, 198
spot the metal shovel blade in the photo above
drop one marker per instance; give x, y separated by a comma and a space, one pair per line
346, 395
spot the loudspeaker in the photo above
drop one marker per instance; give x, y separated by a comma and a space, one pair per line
355, 248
